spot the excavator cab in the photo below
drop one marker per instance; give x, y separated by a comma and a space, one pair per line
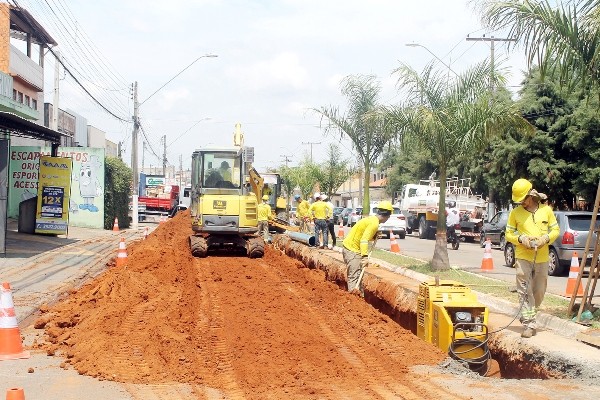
223, 206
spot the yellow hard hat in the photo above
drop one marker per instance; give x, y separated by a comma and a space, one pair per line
385, 205
520, 190
265, 197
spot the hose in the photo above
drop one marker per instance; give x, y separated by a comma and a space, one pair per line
479, 364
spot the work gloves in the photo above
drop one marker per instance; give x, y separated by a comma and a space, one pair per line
364, 261
532, 242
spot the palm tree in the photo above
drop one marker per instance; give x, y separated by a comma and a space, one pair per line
563, 39
367, 134
450, 119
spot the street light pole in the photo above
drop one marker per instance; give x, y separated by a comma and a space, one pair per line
430, 52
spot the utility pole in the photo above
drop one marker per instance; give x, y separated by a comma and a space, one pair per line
311, 147
491, 208
180, 171
164, 138
54, 121
143, 154
134, 156
120, 150
286, 159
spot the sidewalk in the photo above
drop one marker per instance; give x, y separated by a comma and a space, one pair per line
41, 267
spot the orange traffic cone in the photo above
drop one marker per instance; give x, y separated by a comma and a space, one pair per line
573, 272
146, 233
15, 394
394, 248
10, 338
341, 231
122, 254
116, 225
487, 264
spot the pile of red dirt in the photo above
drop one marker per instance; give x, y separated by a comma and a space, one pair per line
256, 326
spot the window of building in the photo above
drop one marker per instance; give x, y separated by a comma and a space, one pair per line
20, 97
34, 104
27, 101
14, 95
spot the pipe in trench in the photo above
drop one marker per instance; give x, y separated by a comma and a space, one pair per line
301, 237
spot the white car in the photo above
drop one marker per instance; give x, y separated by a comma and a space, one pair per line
396, 224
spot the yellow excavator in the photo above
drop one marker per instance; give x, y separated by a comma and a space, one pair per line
270, 184
223, 205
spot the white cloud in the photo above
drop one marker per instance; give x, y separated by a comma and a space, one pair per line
282, 70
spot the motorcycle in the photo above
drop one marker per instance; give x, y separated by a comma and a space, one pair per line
452, 236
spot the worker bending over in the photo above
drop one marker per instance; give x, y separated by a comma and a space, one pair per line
356, 245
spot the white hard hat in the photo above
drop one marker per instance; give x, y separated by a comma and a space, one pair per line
317, 195
323, 197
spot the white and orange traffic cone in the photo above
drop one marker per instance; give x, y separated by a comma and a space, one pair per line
394, 248
15, 394
341, 231
487, 264
116, 225
11, 346
122, 254
572, 281
145, 233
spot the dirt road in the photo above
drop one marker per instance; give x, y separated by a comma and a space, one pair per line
171, 326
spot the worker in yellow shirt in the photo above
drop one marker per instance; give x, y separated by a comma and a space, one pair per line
321, 213
264, 215
356, 245
302, 213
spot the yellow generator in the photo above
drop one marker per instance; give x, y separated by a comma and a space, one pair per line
450, 317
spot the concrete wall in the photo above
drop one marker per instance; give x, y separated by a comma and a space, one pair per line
81, 129
112, 149
96, 137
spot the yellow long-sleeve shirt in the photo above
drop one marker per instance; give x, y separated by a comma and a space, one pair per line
264, 212
320, 210
302, 210
361, 234
522, 222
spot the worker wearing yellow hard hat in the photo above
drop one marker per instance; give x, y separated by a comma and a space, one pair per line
356, 244
264, 215
530, 228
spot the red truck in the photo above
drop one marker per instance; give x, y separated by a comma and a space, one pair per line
160, 198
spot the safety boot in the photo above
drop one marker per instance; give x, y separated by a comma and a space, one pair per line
528, 332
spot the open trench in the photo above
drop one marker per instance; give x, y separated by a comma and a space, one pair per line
239, 328
396, 297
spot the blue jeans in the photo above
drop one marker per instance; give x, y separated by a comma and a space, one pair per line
321, 226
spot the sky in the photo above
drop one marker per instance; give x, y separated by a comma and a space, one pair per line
276, 60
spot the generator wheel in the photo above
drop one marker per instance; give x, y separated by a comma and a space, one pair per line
198, 246
256, 247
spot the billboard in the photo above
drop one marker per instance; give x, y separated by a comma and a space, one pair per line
86, 203
54, 187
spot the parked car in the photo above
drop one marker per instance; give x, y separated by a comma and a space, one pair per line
354, 216
336, 214
343, 217
494, 230
396, 224
574, 229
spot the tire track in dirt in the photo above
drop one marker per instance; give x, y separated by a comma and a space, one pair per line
351, 349
213, 323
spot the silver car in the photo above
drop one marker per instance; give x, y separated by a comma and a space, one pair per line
574, 229
396, 224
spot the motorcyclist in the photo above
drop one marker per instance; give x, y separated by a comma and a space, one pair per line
452, 218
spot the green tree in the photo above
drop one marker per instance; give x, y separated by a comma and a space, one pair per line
118, 181
334, 171
449, 118
361, 124
561, 38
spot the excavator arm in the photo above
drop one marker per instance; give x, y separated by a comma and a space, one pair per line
257, 183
